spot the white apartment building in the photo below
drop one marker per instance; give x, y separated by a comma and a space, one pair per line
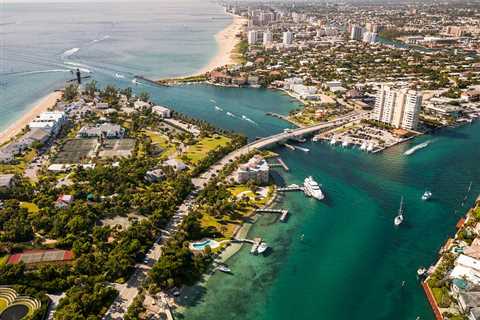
267, 38
357, 33
253, 37
52, 121
397, 107
370, 37
287, 38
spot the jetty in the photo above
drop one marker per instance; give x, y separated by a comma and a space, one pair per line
292, 187
150, 81
256, 243
280, 163
282, 117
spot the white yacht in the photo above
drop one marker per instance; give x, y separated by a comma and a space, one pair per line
333, 141
399, 218
312, 189
427, 195
262, 247
345, 143
363, 146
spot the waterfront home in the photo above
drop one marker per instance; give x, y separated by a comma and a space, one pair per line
51, 121
139, 105
468, 300
162, 111
107, 130
256, 169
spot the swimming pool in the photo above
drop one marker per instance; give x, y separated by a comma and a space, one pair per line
201, 245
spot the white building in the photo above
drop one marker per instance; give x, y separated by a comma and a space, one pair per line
52, 121
267, 38
256, 169
287, 38
397, 107
107, 130
370, 37
163, 112
253, 37
357, 33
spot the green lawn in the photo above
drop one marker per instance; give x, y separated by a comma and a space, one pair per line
31, 207
3, 260
163, 142
198, 151
18, 168
228, 224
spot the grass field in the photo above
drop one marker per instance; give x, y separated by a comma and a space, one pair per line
3, 260
198, 151
19, 167
163, 142
31, 207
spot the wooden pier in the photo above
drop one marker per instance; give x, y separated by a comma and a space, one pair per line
280, 163
291, 188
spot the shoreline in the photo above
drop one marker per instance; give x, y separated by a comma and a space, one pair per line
226, 41
42, 105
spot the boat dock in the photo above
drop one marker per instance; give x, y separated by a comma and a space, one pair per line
292, 187
280, 163
283, 213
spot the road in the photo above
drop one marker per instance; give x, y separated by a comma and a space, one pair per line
129, 290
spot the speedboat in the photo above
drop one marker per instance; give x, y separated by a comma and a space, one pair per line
427, 195
224, 268
399, 218
312, 189
262, 247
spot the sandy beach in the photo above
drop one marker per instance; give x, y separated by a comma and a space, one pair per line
42, 105
226, 40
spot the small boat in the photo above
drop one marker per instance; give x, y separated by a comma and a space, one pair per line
315, 139
399, 218
302, 149
363, 146
427, 195
333, 141
224, 268
345, 143
262, 247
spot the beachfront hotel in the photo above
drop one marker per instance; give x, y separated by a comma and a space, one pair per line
397, 107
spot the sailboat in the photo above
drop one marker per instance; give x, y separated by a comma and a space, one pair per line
399, 218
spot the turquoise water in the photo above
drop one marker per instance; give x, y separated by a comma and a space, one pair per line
40, 43
202, 245
352, 260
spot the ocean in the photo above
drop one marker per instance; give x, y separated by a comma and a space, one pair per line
41, 43
351, 262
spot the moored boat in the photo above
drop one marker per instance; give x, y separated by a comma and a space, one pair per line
427, 195
312, 189
262, 247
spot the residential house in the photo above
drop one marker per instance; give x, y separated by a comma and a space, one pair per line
163, 112
256, 169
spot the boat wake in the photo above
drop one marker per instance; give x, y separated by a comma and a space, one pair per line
70, 52
248, 120
218, 108
119, 76
27, 73
74, 65
101, 39
213, 101
416, 148
231, 115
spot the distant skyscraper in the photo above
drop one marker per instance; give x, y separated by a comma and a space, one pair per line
398, 107
287, 38
356, 33
267, 38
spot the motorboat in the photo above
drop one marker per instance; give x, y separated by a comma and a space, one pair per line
427, 195
262, 247
399, 218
